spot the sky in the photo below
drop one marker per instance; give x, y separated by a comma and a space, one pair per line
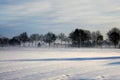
58, 16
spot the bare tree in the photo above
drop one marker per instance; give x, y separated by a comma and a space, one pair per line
34, 38
49, 38
23, 37
61, 37
96, 38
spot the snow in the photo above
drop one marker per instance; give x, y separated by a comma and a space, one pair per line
59, 64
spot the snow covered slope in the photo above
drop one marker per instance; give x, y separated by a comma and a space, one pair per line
59, 64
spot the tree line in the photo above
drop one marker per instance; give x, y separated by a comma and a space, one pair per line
77, 38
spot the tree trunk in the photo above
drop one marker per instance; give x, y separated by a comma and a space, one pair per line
61, 42
78, 43
49, 44
115, 46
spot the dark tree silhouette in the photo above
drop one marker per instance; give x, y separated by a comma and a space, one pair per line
100, 40
0, 40
4, 41
79, 36
86, 38
114, 36
23, 38
14, 41
75, 37
34, 38
94, 38
49, 38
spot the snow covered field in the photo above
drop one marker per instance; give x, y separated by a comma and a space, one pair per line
59, 64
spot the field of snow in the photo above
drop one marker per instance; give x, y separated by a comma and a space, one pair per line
59, 64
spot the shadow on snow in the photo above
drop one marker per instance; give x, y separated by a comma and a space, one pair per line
65, 59
114, 63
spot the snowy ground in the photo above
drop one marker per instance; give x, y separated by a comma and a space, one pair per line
59, 64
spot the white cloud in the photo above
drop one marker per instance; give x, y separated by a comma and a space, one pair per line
26, 9
88, 11
71, 12
62, 11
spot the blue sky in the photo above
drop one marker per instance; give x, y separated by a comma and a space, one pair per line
42, 16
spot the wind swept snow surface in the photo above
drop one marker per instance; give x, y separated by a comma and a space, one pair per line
59, 64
